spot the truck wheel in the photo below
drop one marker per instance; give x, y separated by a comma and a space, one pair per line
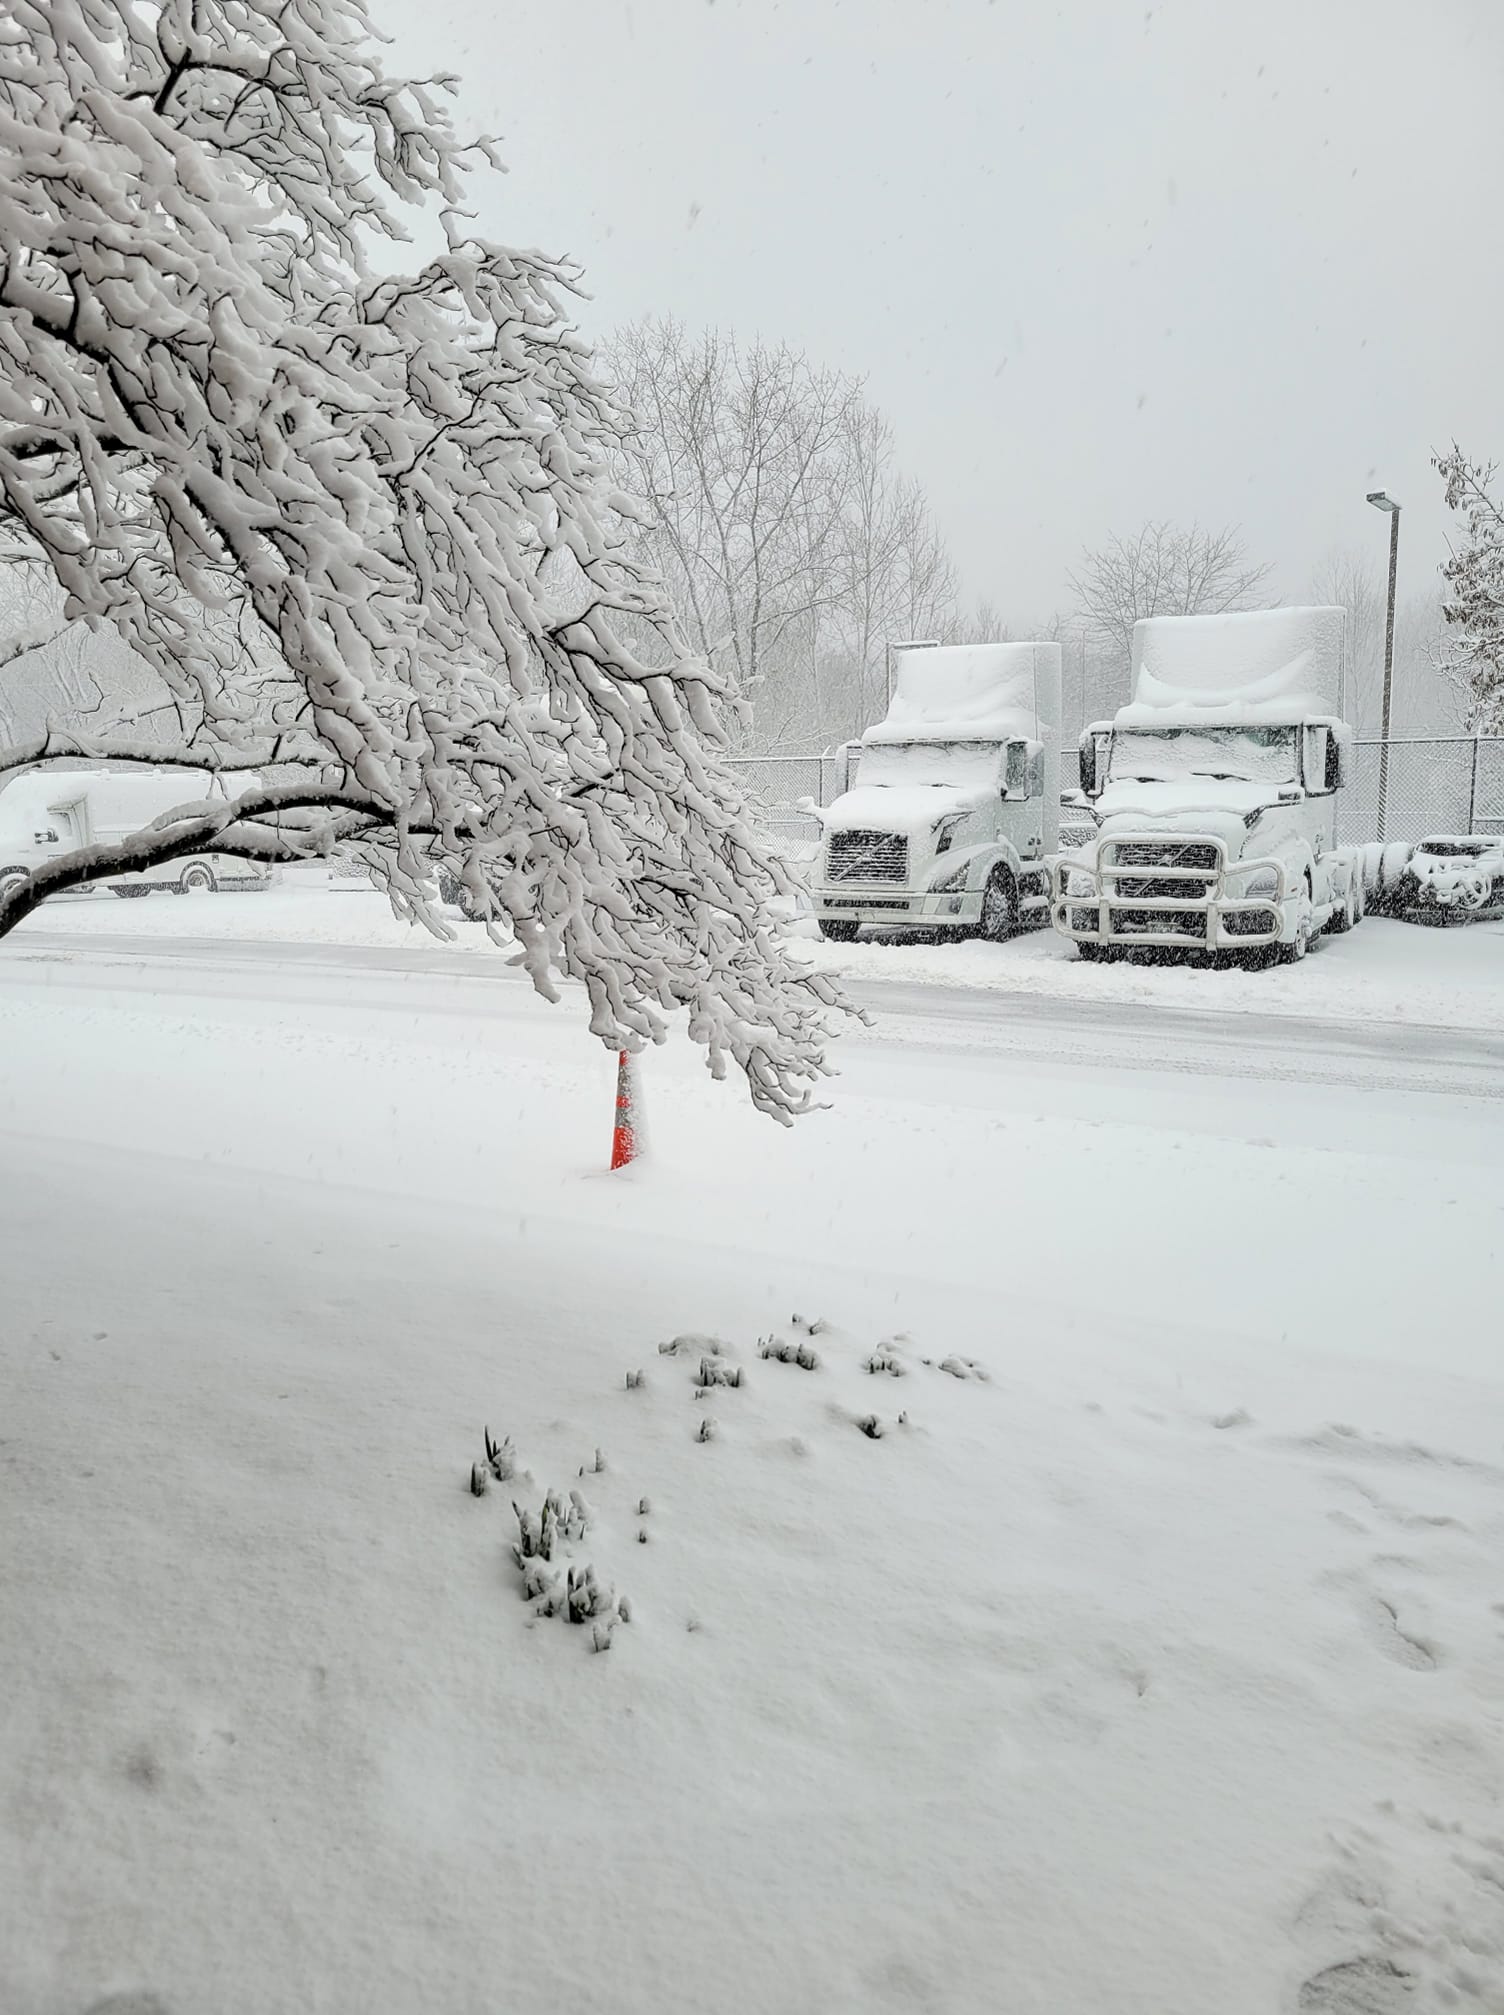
12, 878
999, 907
839, 930
1092, 953
197, 881
1345, 916
1292, 953
131, 888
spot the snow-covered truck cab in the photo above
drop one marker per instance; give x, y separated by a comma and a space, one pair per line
956, 799
1216, 793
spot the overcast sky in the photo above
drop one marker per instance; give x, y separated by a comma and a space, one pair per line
1098, 262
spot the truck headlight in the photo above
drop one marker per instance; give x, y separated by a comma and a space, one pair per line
1080, 882
948, 884
1262, 885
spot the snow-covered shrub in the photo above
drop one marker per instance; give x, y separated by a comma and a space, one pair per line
885, 1359
691, 1343
1474, 601
713, 1372
540, 1532
964, 1367
358, 520
578, 1594
501, 1457
777, 1351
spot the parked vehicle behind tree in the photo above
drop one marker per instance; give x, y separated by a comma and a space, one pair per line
48, 813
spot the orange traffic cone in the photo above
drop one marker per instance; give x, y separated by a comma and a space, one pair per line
625, 1145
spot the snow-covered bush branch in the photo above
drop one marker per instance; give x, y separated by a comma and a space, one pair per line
1473, 603
359, 519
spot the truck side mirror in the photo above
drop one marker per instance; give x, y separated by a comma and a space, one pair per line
1093, 753
1016, 772
1338, 757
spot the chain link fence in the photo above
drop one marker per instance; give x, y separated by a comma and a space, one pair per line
779, 785
1435, 785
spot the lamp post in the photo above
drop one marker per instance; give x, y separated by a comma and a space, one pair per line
1381, 501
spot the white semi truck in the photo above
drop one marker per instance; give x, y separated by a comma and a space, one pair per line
956, 800
1216, 793
47, 813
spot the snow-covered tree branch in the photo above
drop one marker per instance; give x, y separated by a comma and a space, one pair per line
1474, 593
363, 521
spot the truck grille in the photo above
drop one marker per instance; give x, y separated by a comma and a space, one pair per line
867, 857
1160, 887
1165, 854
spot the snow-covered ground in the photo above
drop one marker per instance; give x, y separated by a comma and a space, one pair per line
1160, 1670
1447, 978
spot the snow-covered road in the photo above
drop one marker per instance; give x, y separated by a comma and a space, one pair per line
1113, 1034
1159, 1670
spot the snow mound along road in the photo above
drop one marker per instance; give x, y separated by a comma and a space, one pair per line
1384, 970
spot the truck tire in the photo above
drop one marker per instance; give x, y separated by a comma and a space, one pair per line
196, 880
999, 907
839, 930
131, 888
1345, 916
12, 878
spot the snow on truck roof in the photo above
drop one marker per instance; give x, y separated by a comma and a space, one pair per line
973, 692
1255, 665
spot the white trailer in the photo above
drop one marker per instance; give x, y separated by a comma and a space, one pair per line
47, 813
957, 796
1215, 793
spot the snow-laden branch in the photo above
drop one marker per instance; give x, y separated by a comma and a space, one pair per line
1473, 602
218, 421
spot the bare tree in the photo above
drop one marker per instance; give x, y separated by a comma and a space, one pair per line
1424, 700
791, 542
737, 454
359, 521
1162, 570
1473, 603
1349, 580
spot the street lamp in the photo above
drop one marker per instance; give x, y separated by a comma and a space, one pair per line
1382, 501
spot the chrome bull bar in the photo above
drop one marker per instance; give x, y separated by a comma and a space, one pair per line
1150, 889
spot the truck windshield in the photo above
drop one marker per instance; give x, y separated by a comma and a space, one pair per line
1169, 755
971, 765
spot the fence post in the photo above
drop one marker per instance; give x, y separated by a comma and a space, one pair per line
1472, 789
